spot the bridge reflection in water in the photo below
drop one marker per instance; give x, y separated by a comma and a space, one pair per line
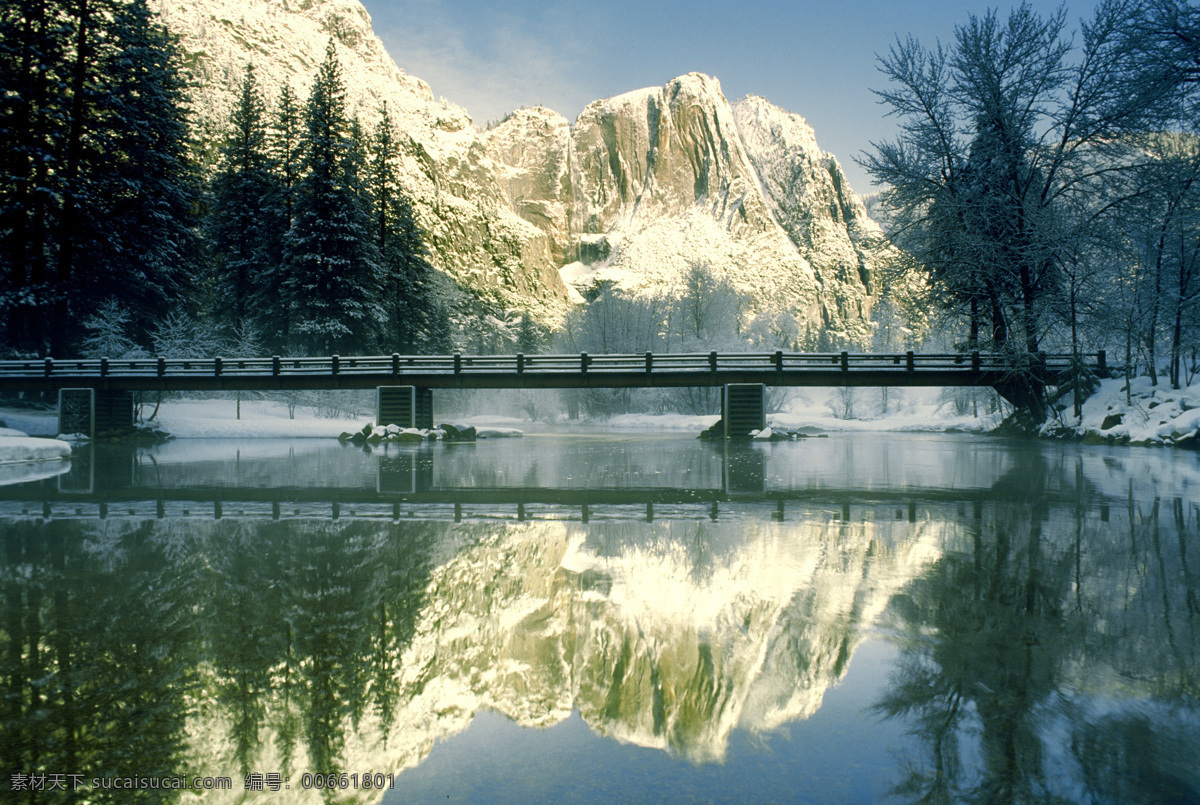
457, 483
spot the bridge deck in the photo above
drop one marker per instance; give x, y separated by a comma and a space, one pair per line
529, 371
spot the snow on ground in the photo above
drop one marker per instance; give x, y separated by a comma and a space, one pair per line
811, 411
1148, 415
18, 449
269, 419
23, 457
909, 410
265, 419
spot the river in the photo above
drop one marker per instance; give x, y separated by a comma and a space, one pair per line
604, 617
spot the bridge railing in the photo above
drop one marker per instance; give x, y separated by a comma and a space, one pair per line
399, 365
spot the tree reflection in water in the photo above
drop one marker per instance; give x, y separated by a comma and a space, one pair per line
121, 640
1041, 669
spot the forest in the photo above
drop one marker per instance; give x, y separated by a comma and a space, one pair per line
1042, 194
119, 237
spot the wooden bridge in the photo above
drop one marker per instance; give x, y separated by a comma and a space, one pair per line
112, 381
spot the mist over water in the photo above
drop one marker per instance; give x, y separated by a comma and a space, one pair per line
609, 617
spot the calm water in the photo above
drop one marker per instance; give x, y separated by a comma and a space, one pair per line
610, 618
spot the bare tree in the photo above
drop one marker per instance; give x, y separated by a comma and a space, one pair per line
1001, 135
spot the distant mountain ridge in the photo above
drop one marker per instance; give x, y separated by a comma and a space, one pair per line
643, 184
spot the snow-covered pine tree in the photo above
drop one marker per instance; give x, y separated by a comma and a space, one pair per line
108, 332
238, 225
145, 187
333, 274
286, 154
286, 148
407, 293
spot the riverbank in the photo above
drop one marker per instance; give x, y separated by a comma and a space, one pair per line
1145, 416
26, 458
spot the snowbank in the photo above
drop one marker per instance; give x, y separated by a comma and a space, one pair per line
1148, 415
23, 457
265, 419
808, 412
17, 449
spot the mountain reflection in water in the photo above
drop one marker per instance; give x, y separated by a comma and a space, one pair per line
1023, 619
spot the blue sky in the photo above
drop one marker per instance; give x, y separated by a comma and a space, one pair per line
817, 59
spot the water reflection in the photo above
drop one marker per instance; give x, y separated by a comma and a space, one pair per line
1051, 655
227, 610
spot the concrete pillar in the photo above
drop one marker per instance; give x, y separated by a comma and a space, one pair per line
743, 409
92, 412
406, 406
424, 408
77, 411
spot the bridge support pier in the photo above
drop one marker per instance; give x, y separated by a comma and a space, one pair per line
743, 409
89, 412
406, 406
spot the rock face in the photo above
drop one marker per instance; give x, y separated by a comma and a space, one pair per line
642, 186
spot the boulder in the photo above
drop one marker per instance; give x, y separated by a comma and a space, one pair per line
457, 433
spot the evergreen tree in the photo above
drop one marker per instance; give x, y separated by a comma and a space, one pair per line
286, 156
407, 293
33, 64
238, 224
145, 186
99, 192
333, 271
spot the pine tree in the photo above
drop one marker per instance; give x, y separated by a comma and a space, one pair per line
238, 224
146, 186
407, 293
286, 156
33, 59
332, 281
99, 191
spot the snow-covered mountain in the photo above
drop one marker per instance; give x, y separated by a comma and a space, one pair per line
640, 187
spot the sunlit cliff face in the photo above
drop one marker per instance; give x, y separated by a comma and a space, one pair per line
671, 642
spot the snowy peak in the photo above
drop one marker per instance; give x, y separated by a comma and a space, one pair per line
808, 194
673, 176
531, 148
794, 171
286, 42
660, 151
